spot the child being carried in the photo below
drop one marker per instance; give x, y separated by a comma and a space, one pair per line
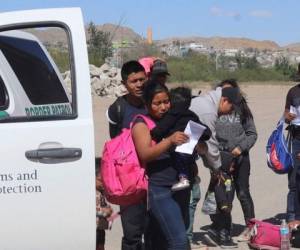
176, 120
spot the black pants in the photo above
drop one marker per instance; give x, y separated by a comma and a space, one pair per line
222, 221
133, 220
241, 176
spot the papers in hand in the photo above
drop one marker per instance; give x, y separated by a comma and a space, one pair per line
295, 111
194, 130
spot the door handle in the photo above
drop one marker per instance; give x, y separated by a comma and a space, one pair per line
54, 155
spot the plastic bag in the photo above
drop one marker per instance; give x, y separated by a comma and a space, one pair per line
209, 204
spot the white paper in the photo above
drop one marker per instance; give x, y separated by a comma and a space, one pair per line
194, 130
295, 111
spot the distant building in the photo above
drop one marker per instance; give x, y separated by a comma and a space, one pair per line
149, 36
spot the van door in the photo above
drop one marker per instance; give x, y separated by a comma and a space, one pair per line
47, 177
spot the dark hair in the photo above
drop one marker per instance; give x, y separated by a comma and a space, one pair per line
245, 110
181, 97
131, 67
151, 88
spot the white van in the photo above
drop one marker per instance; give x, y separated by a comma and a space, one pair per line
47, 177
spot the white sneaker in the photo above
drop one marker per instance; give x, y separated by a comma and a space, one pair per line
182, 184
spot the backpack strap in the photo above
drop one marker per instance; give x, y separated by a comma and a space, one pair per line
120, 103
149, 122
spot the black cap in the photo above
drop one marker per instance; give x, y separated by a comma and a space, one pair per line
159, 67
234, 96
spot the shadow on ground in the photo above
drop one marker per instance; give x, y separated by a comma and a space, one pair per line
237, 229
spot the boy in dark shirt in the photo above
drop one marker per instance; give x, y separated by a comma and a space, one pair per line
176, 120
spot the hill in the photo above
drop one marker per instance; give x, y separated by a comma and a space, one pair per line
293, 47
118, 33
122, 33
225, 42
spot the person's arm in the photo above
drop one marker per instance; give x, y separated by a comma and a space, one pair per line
249, 138
114, 117
211, 158
288, 102
148, 152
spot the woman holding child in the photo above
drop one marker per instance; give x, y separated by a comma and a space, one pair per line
165, 207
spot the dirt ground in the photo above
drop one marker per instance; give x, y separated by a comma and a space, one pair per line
268, 189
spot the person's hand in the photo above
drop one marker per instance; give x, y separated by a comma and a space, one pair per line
178, 138
104, 211
231, 168
236, 151
293, 224
201, 148
216, 175
289, 116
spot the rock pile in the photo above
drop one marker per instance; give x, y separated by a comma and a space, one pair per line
105, 81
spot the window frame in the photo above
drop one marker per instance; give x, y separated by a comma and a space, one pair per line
74, 115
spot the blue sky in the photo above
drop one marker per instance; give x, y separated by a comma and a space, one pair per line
256, 19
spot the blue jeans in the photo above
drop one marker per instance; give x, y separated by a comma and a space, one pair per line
195, 198
166, 210
290, 211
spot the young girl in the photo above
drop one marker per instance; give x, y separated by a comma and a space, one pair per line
103, 211
237, 134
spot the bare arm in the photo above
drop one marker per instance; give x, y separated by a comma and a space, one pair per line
288, 116
142, 141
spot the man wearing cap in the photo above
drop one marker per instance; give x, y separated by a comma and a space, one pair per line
160, 71
208, 108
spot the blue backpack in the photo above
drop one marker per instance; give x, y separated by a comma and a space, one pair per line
279, 158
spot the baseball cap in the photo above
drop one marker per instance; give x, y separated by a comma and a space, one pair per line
159, 67
234, 96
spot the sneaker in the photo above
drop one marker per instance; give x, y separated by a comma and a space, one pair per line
212, 238
245, 235
197, 245
182, 184
214, 232
228, 244
209, 240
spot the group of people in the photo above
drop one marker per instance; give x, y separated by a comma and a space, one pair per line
164, 220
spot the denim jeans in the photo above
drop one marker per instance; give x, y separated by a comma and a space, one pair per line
166, 211
290, 211
195, 198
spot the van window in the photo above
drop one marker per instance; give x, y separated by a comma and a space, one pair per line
40, 72
34, 70
3, 95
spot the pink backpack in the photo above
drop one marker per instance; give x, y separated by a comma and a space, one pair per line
124, 178
264, 235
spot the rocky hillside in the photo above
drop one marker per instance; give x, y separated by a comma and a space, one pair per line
225, 42
118, 33
293, 47
121, 33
